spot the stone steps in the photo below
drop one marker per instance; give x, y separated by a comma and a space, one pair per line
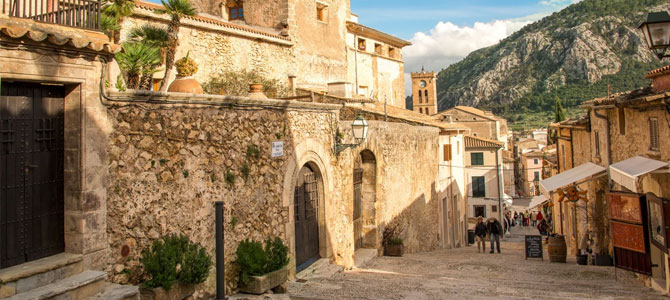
76, 287
31, 275
113, 291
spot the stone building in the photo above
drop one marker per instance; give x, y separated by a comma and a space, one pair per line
314, 45
531, 172
483, 124
424, 92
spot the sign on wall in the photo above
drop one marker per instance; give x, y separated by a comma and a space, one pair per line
628, 236
626, 208
277, 149
659, 215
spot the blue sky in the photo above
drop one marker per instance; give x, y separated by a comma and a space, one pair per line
404, 18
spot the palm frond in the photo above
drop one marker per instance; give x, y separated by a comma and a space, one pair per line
152, 34
108, 23
138, 56
177, 8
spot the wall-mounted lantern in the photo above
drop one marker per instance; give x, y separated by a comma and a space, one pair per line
360, 130
656, 31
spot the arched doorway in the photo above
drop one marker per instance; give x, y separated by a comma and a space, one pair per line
364, 212
306, 213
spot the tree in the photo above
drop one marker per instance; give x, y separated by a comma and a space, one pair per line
155, 36
113, 14
176, 9
138, 59
559, 114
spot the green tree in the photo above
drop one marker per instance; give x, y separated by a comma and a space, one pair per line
138, 59
113, 14
176, 9
559, 114
155, 36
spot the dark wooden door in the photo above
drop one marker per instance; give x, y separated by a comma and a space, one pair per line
358, 220
306, 200
31, 172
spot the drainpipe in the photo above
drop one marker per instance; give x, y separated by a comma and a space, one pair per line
607, 128
500, 209
220, 267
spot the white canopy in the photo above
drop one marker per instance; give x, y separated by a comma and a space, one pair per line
628, 171
537, 201
569, 177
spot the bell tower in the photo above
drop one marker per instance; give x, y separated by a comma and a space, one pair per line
424, 92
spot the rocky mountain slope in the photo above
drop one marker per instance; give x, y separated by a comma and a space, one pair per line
573, 54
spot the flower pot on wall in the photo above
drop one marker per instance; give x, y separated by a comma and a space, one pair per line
394, 250
260, 284
186, 85
179, 291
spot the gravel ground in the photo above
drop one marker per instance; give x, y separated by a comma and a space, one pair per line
466, 274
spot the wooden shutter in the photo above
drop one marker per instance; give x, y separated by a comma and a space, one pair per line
653, 134
447, 152
628, 228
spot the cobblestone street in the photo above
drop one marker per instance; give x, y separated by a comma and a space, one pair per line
465, 274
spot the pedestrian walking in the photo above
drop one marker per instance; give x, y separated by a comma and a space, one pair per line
539, 216
480, 234
533, 218
543, 227
495, 230
516, 219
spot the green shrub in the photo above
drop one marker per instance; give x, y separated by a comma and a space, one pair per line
172, 258
253, 152
245, 170
395, 241
254, 260
237, 84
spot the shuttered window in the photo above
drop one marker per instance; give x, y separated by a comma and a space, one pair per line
447, 152
597, 142
478, 186
477, 159
653, 134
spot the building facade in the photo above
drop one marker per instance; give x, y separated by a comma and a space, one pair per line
424, 92
483, 159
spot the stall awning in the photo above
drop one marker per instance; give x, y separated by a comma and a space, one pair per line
628, 171
569, 177
537, 201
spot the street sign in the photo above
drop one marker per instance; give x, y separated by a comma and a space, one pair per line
534, 247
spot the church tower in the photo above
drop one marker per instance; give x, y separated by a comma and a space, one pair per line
424, 92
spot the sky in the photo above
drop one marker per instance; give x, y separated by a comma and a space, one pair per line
443, 32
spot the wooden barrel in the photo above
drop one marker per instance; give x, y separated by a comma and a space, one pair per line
557, 249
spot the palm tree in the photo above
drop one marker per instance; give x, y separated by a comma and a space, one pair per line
155, 36
176, 9
138, 59
117, 10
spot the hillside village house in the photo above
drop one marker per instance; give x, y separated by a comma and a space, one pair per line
532, 163
483, 124
129, 167
624, 178
483, 160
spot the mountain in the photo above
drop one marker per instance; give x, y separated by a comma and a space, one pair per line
573, 54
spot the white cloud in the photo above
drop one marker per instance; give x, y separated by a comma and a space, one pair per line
448, 43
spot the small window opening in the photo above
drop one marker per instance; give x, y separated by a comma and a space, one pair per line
321, 12
653, 134
235, 10
378, 49
361, 44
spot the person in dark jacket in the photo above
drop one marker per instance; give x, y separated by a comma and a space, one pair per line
495, 230
480, 234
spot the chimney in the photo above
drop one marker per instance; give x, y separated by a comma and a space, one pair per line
660, 79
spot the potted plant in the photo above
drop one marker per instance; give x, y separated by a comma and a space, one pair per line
393, 244
173, 266
184, 83
262, 269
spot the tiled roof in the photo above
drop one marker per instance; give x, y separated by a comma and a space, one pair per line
658, 72
576, 121
215, 21
471, 110
19, 28
403, 115
477, 142
631, 97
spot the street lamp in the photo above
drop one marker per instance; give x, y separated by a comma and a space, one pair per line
360, 130
657, 32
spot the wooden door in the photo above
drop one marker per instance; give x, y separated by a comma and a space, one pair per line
31, 172
306, 199
358, 207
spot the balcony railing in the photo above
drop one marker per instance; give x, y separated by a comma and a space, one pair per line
73, 13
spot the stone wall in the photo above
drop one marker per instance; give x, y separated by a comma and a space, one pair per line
168, 163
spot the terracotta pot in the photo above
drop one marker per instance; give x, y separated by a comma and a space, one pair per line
256, 91
179, 291
260, 284
186, 85
394, 250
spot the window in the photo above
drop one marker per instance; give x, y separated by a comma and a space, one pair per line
537, 176
321, 12
426, 94
361, 44
391, 52
420, 110
235, 11
427, 111
378, 49
494, 208
480, 211
653, 134
622, 121
477, 159
563, 156
420, 97
446, 149
363, 90
536, 161
478, 186
597, 142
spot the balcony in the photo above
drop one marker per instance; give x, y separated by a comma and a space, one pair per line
73, 13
